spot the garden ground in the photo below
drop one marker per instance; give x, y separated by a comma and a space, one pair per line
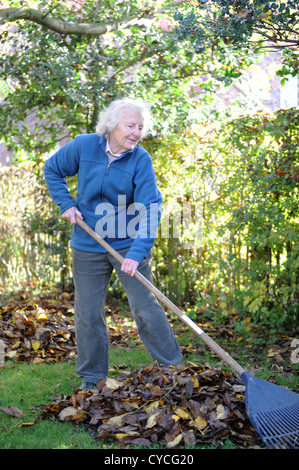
142, 405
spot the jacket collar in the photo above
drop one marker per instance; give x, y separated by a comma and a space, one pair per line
103, 146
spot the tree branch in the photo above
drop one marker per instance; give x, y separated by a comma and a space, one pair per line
12, 14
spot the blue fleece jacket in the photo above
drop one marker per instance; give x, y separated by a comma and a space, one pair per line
121, 201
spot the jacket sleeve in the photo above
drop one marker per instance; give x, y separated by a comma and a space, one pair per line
63, 163
147, 201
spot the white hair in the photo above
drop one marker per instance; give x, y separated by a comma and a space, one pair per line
110, 117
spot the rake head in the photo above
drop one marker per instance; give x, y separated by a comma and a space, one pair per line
273, 411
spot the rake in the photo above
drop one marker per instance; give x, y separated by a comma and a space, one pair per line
272, 410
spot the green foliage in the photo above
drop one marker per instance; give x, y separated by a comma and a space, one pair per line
235, 22
245, 175
242, 27
34, 237
55, 85
266, 209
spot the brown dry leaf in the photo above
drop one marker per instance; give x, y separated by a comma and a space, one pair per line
151, 407
189, 438
113, 384
195, 382
175, 417
12, 411
175, 442
36, 345
26, 425
120, 436
200, 423
73, 400
139, 441
67, 413
152, 420
156, 391
79, 417
222, 412
115, 421
182, 413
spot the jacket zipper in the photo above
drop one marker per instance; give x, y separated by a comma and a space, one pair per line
108, 166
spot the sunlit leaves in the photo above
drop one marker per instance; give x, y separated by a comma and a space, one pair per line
241, 26
265, 149
235, 23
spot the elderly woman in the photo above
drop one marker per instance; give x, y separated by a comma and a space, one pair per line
114, 175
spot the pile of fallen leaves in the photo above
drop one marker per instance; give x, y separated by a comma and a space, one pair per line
41, 328
195, 405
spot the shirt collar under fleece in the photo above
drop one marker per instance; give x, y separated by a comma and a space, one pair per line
109, 151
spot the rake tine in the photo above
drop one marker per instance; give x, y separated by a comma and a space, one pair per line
285, 422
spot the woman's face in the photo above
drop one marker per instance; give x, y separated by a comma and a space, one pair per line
126, 135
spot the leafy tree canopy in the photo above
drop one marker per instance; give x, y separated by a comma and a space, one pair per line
248, 25
54, 83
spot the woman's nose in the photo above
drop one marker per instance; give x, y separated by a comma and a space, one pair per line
137, 132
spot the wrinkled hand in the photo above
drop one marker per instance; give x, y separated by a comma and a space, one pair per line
129, 266
70, 214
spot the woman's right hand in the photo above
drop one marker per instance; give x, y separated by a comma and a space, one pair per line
70, 215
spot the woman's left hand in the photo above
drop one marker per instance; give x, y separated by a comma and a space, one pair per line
129, 266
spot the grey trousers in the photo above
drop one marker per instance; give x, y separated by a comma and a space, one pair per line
91, 273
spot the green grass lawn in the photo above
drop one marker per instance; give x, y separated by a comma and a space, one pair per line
27, 386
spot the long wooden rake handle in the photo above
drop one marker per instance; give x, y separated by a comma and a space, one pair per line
184, 318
